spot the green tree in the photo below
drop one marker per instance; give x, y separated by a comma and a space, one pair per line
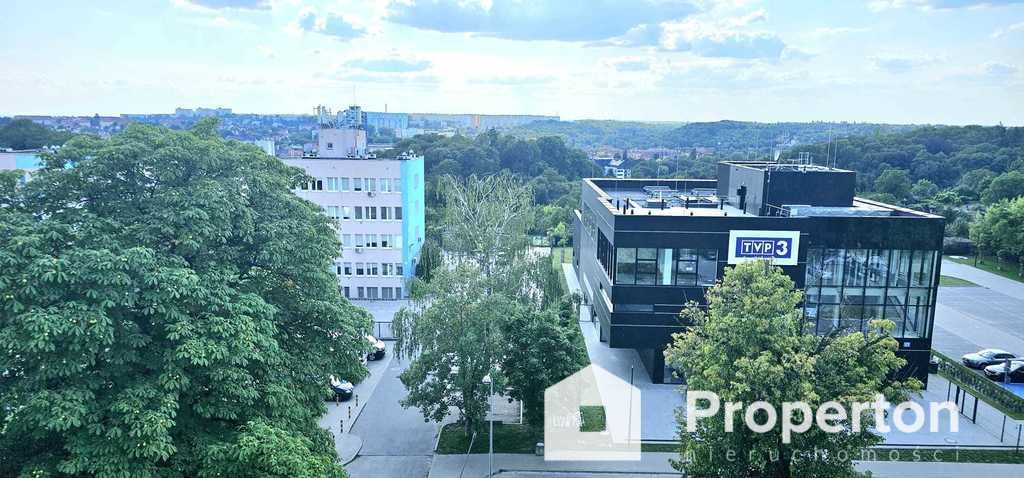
748, 346
1000, 230
454, 334
540, 351
26, 134
975, 181
923, 190
166, 299
1005, 186
895, 182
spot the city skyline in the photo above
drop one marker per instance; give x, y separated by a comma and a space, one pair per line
896, 61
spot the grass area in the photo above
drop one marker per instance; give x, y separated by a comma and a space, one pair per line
507, 439
947, 281
944, 455
593, 418
991, 264
559, 256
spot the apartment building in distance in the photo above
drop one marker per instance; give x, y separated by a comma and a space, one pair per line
378, 204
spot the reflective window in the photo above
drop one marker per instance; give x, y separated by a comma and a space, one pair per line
679, 267
846, 289
625, 265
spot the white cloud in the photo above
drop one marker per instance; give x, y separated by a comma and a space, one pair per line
559, 20
902, 64
1016, 27
332, 25
881, 5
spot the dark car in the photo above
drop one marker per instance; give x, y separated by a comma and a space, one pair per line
997, 372
377, 349
342, 389
984, 358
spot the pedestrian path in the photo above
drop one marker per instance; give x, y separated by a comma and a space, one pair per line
341, 416
985, 279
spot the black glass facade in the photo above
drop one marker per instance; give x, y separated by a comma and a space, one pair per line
848, 288
639, 267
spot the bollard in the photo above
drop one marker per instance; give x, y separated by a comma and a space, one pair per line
350, 412
341, 426
357, 399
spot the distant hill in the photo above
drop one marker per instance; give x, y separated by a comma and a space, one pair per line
721, 135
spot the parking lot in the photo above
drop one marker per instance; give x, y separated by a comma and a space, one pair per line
968, 319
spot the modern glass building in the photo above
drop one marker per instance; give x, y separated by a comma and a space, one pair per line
645, 247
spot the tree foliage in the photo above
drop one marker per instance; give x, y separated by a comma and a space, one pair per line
168, 310
1001, 229
748, 346
26, 134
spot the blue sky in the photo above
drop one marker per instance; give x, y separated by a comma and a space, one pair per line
898, 61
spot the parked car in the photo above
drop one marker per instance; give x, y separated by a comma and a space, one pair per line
984, 358
997, 371
342, 389
376, 348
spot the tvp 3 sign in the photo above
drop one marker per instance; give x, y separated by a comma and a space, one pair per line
778, 247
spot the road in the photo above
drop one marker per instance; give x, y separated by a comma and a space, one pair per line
396, 441
971, 318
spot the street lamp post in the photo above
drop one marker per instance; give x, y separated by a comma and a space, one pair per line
490, 433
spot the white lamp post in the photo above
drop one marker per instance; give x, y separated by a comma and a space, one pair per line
490, 419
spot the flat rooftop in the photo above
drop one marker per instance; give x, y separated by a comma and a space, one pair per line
700, 198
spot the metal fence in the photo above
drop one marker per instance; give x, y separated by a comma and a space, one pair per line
978, 385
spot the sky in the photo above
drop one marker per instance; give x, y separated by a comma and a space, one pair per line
891, 61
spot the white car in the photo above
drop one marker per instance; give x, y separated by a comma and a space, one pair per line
377, 349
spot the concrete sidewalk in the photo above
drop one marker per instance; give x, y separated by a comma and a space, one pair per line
475, 466
344, 414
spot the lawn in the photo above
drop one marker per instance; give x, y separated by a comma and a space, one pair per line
593, 418
991, 264
947, 281
559, 256
945, 455
507, 439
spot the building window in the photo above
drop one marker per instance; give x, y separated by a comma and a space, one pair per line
333, 213
359, 241
398, 185
625, 265
360, 269
847, 288
359, 213
371, 184
398, 213
357, 184
330, 145
346, 212
344, 184
398, 269
347, 292
374, 269
385, 241
347, 269
387, 293
332, 184
371, 240
371, 212
385, 213
346, 240
398, 292
360, 292
385, 269
371, 293
385, 185
671, 267
605, 253
316, 185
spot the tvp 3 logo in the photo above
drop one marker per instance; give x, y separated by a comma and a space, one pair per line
779, 247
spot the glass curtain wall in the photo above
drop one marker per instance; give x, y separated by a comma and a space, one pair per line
848, 288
